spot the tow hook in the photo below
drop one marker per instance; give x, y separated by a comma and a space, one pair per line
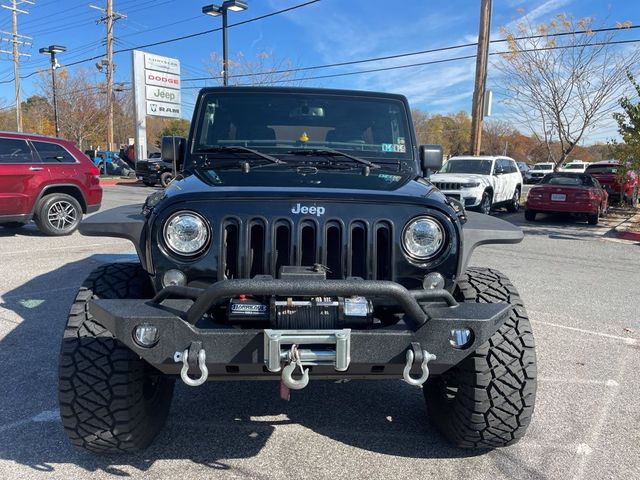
287, 372
419, 356
197, 354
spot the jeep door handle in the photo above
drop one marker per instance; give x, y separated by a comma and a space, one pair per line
36, 169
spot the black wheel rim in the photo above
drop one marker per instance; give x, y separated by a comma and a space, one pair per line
62, 215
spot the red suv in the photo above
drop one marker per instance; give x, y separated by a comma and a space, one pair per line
48, 180
606, 173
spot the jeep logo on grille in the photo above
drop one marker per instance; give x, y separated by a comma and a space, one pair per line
304, 210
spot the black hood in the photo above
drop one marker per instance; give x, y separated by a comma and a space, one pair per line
348, 184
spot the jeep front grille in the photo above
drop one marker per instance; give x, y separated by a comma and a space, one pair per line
253, 246
448, 185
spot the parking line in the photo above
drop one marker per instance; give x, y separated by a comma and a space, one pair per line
627, 340
580, 381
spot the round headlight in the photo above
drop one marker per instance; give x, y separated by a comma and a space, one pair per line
186, 233
423, 238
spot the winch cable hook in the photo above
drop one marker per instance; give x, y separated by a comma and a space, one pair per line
287, 371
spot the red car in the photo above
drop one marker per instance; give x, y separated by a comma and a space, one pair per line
607, 174
48, 180
576, 193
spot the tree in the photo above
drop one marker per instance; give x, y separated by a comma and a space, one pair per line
495, 137
628, 122
81, 107
178, 127
563, 80
263, 69
37, 115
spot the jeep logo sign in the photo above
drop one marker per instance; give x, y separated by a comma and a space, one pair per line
160, 94
305, 210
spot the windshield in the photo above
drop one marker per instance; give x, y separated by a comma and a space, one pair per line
574, 166
480, 167
279, 123
543, 166
611, 169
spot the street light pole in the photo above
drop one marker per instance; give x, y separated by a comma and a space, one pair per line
216, 10
225, 50
52, 50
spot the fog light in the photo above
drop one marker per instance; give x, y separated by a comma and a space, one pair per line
172, 278
433, 281
145, 335
461, 337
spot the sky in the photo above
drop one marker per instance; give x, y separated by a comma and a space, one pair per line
328, 31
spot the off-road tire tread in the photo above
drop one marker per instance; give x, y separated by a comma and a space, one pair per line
497, 383
100, 388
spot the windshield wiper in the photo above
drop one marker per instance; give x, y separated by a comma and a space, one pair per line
329, 152
239, 149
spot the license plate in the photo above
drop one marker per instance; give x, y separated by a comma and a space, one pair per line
558, 197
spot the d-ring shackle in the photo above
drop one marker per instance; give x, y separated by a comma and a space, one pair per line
406, 373
202, 365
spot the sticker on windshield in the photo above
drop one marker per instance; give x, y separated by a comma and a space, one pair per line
389, 178
400, 141
393, 148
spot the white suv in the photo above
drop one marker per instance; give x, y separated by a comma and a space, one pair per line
481, 182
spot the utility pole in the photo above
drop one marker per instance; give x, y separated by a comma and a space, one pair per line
109, 19
16, 41
477, 109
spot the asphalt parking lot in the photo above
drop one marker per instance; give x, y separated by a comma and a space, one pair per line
581, 289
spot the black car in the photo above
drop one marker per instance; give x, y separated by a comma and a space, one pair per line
300, 242
154, 170
524, 168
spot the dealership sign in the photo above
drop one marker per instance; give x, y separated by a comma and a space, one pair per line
156, 84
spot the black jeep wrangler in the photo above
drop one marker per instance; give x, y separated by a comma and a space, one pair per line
300, 242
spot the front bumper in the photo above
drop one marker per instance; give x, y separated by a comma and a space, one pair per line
235, 353
470, 198
148, 176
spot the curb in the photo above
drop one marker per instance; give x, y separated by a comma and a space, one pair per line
624, 232
105, 182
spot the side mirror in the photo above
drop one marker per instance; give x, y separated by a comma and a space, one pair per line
498, 171
431, 158
173, 149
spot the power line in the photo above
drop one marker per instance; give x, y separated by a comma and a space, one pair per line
432, 62
184, 37
400, 55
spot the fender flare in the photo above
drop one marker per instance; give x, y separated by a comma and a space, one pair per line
481, 229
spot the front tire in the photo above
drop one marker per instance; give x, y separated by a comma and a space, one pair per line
165, 179
58, 214
110, 400
487, 400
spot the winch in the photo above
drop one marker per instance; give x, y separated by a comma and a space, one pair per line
302, 312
